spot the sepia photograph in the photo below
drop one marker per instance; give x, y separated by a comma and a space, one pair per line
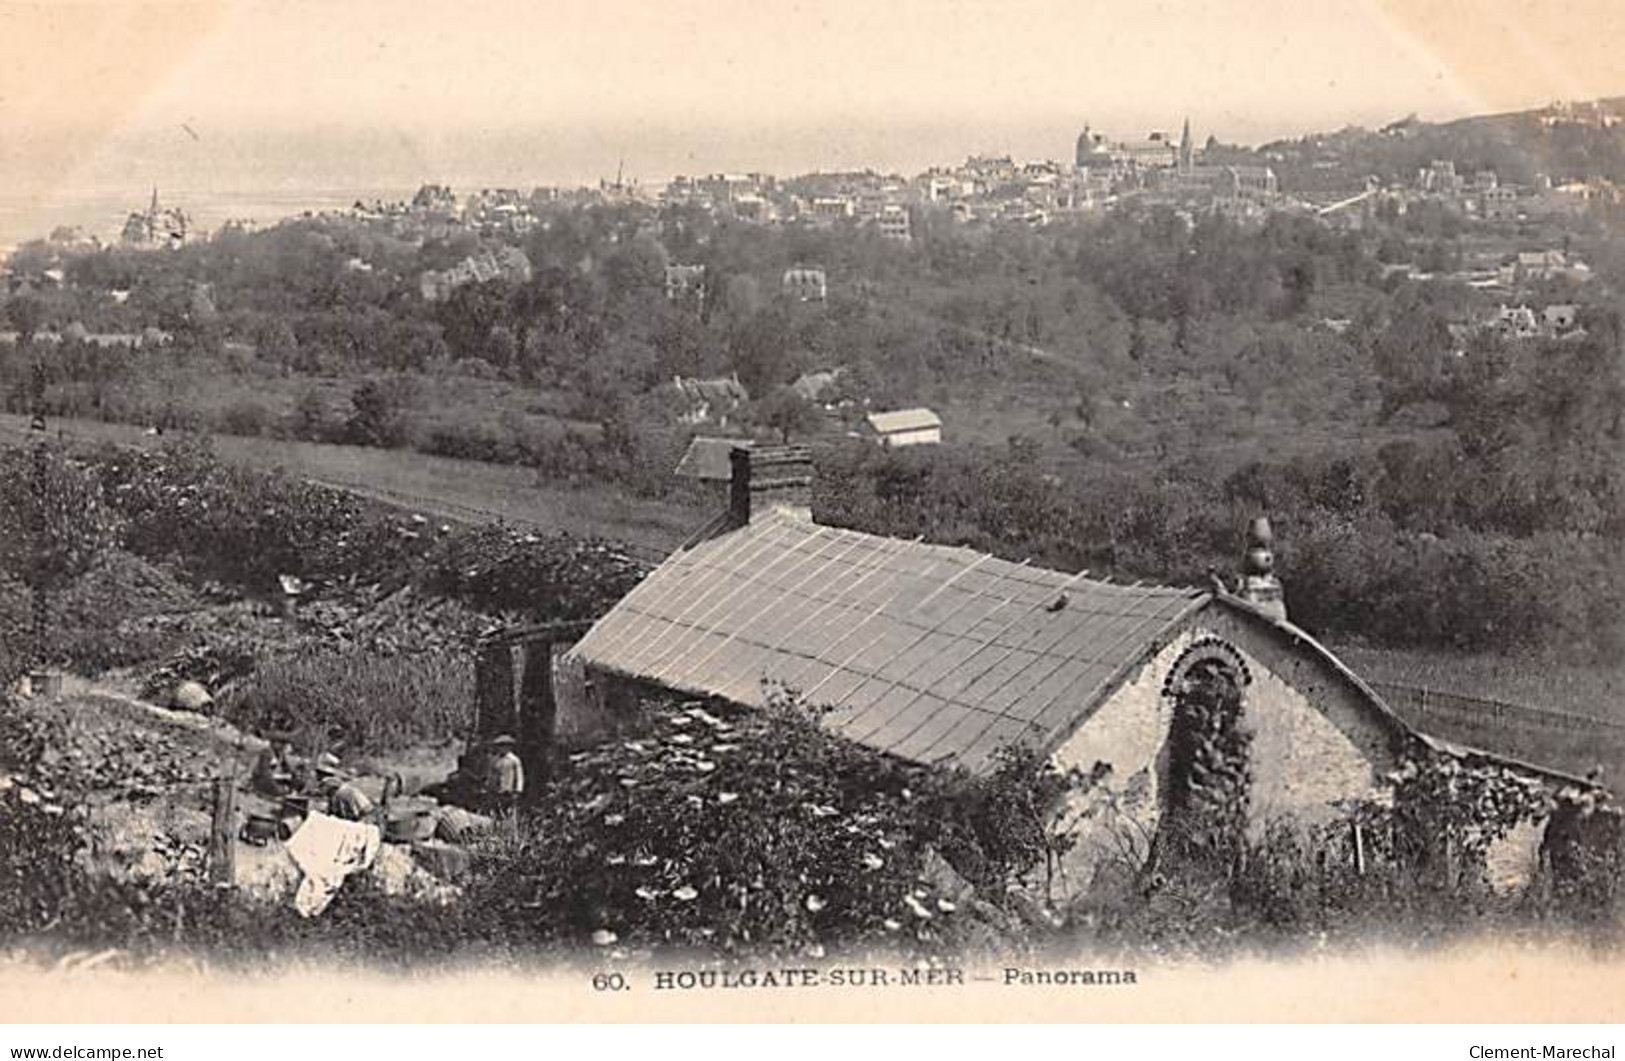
757, 510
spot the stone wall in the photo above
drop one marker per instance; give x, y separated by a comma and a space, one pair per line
1113, 823
1316, 744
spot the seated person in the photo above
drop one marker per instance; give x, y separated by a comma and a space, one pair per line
345, 798
274, 772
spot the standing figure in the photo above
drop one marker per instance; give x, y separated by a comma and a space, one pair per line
505, 779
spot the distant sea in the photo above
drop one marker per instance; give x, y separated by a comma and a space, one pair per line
102, 212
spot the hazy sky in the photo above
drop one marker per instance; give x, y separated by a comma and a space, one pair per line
228, 95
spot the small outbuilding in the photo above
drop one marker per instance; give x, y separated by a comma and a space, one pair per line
905, 427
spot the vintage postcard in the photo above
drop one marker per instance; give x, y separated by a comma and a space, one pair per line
723, 511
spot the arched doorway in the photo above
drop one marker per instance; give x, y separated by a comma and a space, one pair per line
1207, 773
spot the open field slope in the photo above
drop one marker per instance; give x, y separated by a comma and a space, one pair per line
1562, 716
470, 491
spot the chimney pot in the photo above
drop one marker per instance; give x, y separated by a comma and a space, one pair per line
1260, 586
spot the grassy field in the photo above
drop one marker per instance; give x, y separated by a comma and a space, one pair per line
1595, 691
438, 486
1559, 716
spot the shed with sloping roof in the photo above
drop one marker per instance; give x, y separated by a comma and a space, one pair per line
905, 427
947, 657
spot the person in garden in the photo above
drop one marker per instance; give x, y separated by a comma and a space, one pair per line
345, 799
274, 773
505, 779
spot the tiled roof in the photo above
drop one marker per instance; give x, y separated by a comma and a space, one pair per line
726, 388
933, 653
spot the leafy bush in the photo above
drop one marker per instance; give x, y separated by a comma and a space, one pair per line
757, 832
378, 414
1419, 864
245, 528
55, 519
361, 701
544, 577
245, 417
40, 833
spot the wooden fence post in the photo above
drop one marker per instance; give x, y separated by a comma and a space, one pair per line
222, 834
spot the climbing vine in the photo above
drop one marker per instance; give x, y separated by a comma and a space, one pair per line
1209, 775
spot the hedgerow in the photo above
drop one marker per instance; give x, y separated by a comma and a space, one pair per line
247, 528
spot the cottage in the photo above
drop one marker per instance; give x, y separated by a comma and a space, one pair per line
1515, 322
805, 284
499, 263
709, 400
943, 656
905, 427
893, 222
1560, 317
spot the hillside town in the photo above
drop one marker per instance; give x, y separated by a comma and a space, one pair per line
1177, 549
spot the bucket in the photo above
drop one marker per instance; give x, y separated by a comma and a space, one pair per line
259, 830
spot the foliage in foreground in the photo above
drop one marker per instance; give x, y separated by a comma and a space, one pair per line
756, 832
724, 833
741, 835
1413, 869
358, 701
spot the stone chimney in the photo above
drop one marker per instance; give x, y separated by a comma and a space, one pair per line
770, 478
1259, 585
